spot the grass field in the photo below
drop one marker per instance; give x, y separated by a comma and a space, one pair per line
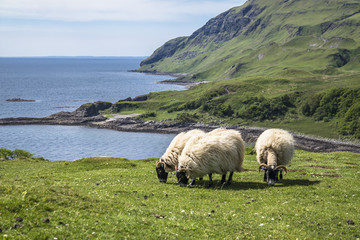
112, 198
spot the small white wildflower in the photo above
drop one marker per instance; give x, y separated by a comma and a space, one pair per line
182, 210
93, 233
287, 225
234, 215
192, 212
261, 224
330, 234
272, 219
262, 217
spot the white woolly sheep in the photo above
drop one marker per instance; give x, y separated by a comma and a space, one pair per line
220, 151
274, 150
169, 160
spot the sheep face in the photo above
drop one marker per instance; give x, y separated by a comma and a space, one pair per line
182, 178
271, 174
161, 172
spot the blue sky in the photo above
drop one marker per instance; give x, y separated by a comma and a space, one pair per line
100, 27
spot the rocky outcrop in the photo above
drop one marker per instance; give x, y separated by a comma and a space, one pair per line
167, 50
91, 109
61, 118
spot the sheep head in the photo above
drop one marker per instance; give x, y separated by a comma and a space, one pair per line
182, 176
271, 173
161, 172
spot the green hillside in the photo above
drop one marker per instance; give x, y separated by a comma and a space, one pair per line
293, 64
267, 37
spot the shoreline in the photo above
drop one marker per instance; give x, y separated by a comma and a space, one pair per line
177, 81
130, 124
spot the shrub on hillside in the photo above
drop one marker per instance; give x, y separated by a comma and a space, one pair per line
340, 103
187, 118
260, 109
6, 154
350, 123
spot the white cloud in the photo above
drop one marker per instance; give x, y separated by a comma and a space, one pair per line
112, 10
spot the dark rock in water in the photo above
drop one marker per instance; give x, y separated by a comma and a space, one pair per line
19, 100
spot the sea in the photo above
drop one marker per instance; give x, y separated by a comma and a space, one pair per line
63, 84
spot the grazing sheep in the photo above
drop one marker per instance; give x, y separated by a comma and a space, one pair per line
169, 160
274, 150
220, 151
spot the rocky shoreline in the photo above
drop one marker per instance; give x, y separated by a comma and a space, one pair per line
130, 124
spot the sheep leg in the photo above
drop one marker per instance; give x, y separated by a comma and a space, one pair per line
265, 176
210, 180
281, 175
229, 181
223, 179
192, 182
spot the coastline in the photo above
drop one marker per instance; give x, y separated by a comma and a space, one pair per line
130, 124
179, 78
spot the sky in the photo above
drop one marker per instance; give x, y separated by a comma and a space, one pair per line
100, 27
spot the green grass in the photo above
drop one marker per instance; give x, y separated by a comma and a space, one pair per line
112, 198
305, 126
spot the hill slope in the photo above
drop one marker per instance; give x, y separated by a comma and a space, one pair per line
278, 37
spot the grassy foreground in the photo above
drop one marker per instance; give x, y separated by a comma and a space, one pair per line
112, 198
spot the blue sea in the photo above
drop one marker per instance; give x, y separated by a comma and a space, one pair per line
64, 84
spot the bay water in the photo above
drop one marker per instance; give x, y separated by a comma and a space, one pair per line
64, 84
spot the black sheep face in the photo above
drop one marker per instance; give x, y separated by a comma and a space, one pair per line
161, 173
271, 175
182, 178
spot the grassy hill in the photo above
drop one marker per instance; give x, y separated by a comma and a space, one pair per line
267, 37
283, 63
114, 198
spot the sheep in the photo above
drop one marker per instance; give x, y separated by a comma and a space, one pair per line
219, 151
169, 160
274, 150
